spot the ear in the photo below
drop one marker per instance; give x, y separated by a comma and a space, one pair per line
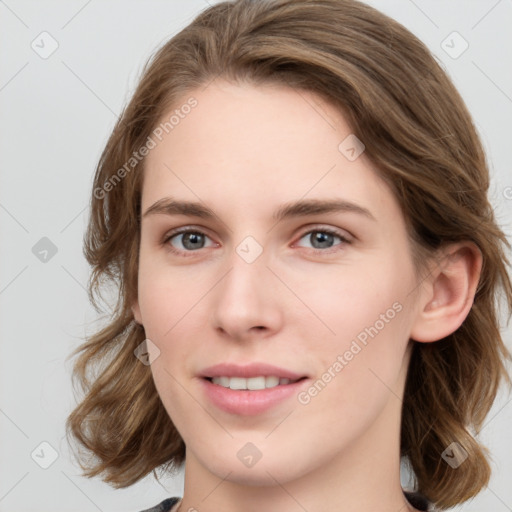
448, 293
136, 311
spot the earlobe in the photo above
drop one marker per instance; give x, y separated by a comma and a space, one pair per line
449, 293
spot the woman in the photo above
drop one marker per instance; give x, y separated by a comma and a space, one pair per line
294, 208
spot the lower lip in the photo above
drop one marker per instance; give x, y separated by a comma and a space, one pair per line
249, 403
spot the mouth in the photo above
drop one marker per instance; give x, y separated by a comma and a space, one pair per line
250, 389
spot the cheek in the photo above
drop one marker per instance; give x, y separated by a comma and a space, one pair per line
364, 335
355, 302
358, 371
165, 295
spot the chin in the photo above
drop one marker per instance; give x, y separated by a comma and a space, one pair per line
257, 477
265, 472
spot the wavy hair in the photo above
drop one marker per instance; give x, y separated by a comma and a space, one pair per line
419, 135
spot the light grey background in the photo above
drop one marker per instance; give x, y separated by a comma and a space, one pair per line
56, 115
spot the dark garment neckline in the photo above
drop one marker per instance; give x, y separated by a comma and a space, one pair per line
414, 498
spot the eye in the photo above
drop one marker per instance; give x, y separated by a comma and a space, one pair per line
323, 238
186, 240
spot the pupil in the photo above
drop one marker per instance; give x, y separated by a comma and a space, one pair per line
192, 238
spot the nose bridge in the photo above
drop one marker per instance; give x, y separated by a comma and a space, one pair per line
243, 284
245, 297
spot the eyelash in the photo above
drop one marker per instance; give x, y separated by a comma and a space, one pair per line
187, 254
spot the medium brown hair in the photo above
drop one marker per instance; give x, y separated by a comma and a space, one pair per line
419, 135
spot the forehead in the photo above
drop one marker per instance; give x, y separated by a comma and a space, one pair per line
247, 146
235, 122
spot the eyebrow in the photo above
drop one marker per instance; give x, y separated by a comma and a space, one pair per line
301, 208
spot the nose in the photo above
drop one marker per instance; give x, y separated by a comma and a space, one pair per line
247, 302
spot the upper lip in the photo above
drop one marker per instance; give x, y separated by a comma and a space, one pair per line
248, 370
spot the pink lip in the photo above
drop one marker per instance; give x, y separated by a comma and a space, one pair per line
249, 403
245, 402
249, 370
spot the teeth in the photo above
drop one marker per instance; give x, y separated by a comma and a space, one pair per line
223, 381
257, 383
237, 383
252, 383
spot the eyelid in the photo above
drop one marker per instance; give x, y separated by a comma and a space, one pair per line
342, 233
185, 229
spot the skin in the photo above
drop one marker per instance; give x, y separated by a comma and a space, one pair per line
243, 152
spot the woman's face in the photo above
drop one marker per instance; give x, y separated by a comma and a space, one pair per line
323, 294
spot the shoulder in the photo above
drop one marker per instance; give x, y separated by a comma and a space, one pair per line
164, 506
